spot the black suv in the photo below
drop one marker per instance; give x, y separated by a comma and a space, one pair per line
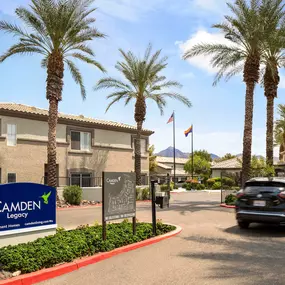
261, 201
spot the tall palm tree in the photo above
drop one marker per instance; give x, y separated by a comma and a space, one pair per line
58, 30
143, 81
245, 31
273, 57
279, 131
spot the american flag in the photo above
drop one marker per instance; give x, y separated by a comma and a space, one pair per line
171, 118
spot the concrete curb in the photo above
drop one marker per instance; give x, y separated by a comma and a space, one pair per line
91, 206
45, 274
227, 206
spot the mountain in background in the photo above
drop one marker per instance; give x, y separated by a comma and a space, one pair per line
178, 153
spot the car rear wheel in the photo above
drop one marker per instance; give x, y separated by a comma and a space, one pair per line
243, 224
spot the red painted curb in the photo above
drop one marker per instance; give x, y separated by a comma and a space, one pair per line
45, 274
227, 206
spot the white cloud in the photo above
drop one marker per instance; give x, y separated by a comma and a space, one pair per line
282, 81
202, 36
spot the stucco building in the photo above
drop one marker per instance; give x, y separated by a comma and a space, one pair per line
85, 146
165, 165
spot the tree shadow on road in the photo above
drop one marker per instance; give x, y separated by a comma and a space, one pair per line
258, 230
257, 257
187, 206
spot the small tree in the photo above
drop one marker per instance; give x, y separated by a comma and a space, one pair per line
259, 168
152, 159
227, 157
201, 165
203, 154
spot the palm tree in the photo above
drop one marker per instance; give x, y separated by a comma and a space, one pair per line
245, 31
273, 57
143, 81
58, 30
279, 131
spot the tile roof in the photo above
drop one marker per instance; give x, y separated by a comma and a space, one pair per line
164, 166
164, 159
234, 163
14, 107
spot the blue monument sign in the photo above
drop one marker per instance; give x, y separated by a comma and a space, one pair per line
26, 207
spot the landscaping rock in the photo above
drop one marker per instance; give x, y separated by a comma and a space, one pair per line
63, 204
5, 275
16, 273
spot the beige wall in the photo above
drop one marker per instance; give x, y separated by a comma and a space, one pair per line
27, 160
111, 138
112, 152
31, 129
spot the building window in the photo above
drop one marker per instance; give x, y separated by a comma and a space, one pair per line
11, 134
81, 179
80, 141
11, 177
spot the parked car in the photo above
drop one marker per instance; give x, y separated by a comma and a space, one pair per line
261, 201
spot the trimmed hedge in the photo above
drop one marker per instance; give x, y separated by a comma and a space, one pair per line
72, 194
217, 186
65, 246
230, 199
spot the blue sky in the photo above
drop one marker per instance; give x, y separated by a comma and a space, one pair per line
217, 112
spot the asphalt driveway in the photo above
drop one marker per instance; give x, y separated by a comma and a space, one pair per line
210, 250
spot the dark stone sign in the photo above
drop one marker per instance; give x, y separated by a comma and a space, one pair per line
119, 195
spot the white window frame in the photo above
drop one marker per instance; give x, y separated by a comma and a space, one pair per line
85, 141
11, 137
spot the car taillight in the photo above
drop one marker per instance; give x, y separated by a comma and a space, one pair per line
282, 195
240, 194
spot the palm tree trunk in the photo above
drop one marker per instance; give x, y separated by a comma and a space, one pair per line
140, 111
269, 129
138, 154
271, 81
247, 136
52, 122
55, 71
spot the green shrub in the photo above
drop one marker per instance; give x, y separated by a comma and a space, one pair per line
230, 199
175, 186
66, 246
226, 187
236, 188
217, 186
188, 186
72, 194
211, 182
184, 185
164, 187
145, 194
200, 187
228, 182
138, 193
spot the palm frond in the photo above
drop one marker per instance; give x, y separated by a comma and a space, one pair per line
109, 82
76, 76
20, 49
88, 60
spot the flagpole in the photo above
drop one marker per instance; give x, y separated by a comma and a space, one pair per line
174, 155
192, 153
